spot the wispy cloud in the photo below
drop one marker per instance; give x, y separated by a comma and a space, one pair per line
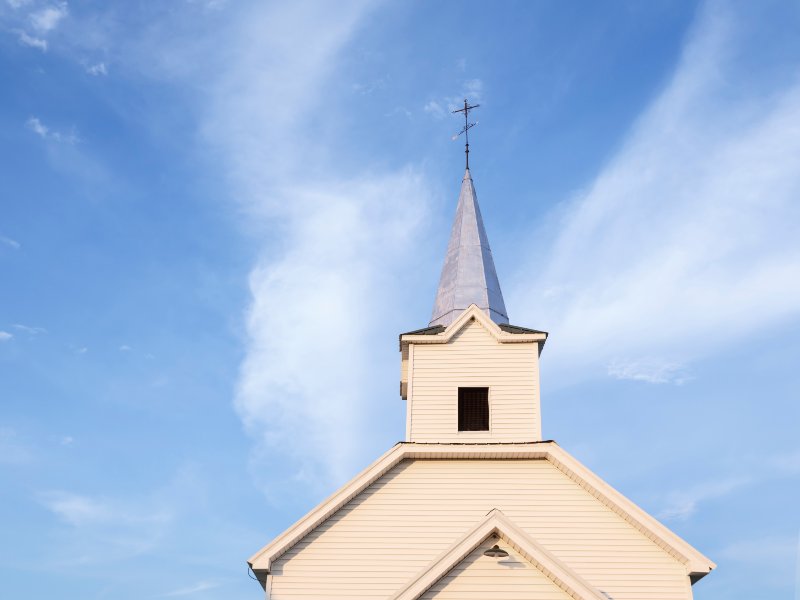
7, 241
43, 131
97, 69
687, 240
32, 41
36, 126
649, 370
192, 589
5, 336
46, 19
18, 3
76, 509
370, 86
346, 242
97, 528
471, 89
434, 108
80, 510
335, 255
28, 329
683, 504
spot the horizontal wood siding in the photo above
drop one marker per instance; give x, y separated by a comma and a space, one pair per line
480, 577
408, 517
474, 358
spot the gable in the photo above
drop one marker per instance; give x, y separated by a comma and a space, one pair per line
511, 578
526, 571
269, 560
414, 512
508, 335
503, 333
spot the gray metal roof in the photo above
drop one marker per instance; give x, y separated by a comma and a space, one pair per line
517, 329
468, 276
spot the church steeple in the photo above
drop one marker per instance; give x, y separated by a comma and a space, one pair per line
468, 276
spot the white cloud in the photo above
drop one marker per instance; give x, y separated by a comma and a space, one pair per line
435, 109
687, 240
370, 87
399, 110
683, 504
97, 69
5, 336
48, 18
648, 370
125, 348
76, 509
35, 125
18, 3
304, 386
335, 244
7, 241
202, 586
44, 132
28, 329
471, 89
32, 41
96, 529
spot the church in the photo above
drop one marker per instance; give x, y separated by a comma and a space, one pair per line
474, 504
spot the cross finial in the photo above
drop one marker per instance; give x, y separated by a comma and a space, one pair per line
467, 126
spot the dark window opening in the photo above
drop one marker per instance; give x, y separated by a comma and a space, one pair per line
473, 409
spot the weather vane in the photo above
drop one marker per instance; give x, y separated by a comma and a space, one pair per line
467, 125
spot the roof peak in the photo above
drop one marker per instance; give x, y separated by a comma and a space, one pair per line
468, 275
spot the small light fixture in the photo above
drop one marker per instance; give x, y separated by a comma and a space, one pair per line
495, 552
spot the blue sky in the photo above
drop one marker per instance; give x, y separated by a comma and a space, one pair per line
216, 217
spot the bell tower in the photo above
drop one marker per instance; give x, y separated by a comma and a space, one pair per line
473, 481
470, 376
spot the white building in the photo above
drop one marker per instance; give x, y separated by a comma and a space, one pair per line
473, 473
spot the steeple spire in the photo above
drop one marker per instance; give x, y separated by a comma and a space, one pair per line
468, 276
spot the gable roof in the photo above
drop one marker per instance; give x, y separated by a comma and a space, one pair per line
495, 522
697, 565
502, 333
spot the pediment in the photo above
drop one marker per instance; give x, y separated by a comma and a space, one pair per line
528, 564
695, 563
473, 314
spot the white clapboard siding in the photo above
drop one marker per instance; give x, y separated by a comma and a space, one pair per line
475, 358
418, 509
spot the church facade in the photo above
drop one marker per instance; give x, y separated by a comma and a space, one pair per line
474, 504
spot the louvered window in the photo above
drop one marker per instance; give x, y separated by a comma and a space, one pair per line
473, 409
